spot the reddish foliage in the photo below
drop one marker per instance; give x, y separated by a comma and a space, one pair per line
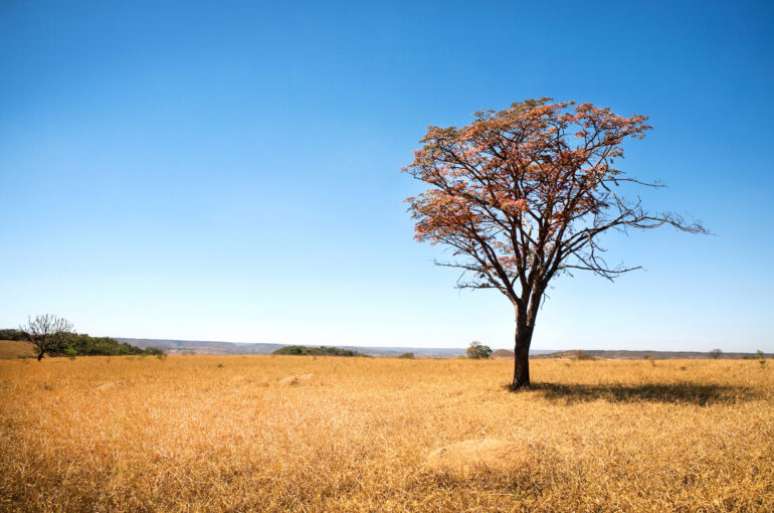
524, 194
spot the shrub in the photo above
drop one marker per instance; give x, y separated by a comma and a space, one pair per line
408, 356
315, 351
478, 351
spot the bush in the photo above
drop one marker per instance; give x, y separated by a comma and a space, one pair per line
409, 356
478, 351
315, 351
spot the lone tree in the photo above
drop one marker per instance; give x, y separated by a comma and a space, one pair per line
46, 332
478, 351
524, 194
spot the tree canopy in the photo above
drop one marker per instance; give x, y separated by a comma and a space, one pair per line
524, 194
478, 351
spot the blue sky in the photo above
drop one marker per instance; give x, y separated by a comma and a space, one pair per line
230, 170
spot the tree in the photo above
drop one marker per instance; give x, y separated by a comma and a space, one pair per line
478, 351
46, 332
761, 358
524, 195
716, 353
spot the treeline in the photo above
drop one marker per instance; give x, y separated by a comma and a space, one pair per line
316, 351
81, 344
13, 335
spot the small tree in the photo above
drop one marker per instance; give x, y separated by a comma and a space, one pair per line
46, 332
478, 351
526, 194
715, 353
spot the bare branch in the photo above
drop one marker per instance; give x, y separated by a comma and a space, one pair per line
527, 193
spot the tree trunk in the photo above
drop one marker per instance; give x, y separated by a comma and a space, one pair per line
40, 355
521, 357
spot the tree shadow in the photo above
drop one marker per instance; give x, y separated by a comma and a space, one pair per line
701, 394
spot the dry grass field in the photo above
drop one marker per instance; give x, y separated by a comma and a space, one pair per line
302, 434
13, 349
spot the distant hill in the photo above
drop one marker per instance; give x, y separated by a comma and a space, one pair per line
202, 346
656, 355
212, 347
502, 353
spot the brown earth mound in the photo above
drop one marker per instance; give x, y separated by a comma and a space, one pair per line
502, 353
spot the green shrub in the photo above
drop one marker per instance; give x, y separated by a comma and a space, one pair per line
478, 351
315, 351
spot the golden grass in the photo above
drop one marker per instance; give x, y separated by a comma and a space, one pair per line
222, 434
14, 349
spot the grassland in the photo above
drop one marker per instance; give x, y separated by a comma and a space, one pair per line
234, 434
15, 349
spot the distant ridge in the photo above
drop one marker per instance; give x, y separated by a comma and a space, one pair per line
247, 348
624, 354
203, 346
212, 347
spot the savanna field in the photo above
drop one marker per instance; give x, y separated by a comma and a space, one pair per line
304, 434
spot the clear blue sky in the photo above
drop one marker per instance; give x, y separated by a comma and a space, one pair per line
230, 170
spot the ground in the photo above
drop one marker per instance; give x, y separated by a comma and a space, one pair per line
326, 434
16, 349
